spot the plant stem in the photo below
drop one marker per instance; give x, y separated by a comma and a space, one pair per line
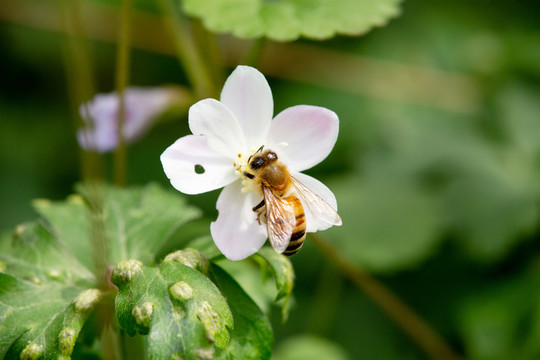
79, 79
255, 52
417, 329
80, 86
186, 51
122, 75
210, 53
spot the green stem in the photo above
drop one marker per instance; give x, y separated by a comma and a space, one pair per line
133, 346
185, 48
413, 325
122, 75
123, 344
211, 54
255, 52
80, 87
111, 343
79, 80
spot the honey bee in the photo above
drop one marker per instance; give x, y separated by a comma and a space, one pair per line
284, 200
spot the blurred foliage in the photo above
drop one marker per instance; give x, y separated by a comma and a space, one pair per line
288, 20
306, 347
441, 203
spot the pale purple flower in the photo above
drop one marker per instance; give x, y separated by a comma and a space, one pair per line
226, 133
100, 116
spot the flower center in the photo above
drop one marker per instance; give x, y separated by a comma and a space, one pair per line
241, 165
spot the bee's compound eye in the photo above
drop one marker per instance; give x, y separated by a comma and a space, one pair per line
256, 163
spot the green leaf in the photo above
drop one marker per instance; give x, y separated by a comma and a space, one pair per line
35, 254
50, 288
309, 347
180, 309
247, 273
518, 106
46, 297
41, 320
388, 224
252, 337
291, 19
136, 221
493, 196
493, 204
484, 193
206, 245
139, 221
500, 320
184, 313
283, 272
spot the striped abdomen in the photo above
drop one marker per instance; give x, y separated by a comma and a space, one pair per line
299, 232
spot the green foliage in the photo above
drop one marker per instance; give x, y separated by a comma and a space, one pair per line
47, 296
421, 179
283, 273
517, 104
179, 308
252, 337
291, 19
138, 223
43, 318
492, 331
386, 227
49, 288
438, 187
309, 347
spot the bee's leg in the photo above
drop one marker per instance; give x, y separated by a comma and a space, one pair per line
260, 210
248, 175
258, 206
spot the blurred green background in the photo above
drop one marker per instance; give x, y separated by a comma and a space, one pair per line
436, 169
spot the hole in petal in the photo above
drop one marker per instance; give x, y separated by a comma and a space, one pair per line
199, 169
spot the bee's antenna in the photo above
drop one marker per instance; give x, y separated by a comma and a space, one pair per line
258, 151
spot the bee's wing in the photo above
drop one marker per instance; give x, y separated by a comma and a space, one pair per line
280, 220
319, 208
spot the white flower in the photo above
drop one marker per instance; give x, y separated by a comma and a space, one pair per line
100, 115
226, 133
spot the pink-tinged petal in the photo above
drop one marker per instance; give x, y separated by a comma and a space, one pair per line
321, 222
216, 122
100, 136
100, 115
303, 135
236, 232
143, 105
247, 93
179, 163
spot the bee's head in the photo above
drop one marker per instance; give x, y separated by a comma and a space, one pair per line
259, 159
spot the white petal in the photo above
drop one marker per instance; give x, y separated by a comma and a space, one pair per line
316, 224
236, 232
303, 135
214, 120
247, 93
179, 162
